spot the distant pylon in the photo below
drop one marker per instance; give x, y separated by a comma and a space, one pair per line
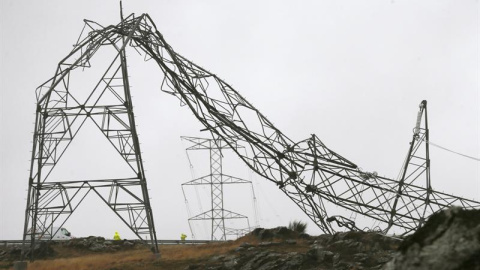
216, 179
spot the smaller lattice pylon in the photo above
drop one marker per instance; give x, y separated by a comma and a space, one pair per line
216, 179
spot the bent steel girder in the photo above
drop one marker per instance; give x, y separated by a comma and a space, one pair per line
308, 172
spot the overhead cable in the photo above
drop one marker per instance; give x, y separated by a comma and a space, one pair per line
451, 151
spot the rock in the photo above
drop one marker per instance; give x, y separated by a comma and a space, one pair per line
42, 250
231, 263
265, 234
290, 241
322, 255
282, 231
304, 236
360, 257
323, 239
326, 256
266, 261
239, 249
315, 252
336, 258
245, 245
449, 240
217, 258
97, 244
294, 261
268, 244
98, 239
15, 251
382, 259
345, 266
256, 232
194, 267
279, 232
97, 247
128, 243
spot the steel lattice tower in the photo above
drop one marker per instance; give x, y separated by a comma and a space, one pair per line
216, 179
59, 117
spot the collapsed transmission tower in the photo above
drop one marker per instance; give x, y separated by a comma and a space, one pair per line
308, 172
216, 179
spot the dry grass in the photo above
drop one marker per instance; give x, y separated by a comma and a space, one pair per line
173, 257
98, 261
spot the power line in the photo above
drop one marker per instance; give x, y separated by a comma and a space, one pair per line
451, 151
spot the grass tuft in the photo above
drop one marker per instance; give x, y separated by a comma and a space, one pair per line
297, 226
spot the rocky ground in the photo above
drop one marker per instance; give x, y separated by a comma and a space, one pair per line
65, 249
281, 248
449, 240
278, 248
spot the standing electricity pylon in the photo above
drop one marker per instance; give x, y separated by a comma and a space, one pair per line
60, 114
216, 179
415, 169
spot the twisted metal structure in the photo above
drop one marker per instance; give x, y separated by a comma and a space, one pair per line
308, 172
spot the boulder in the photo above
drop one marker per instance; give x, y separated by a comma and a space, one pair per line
449, 240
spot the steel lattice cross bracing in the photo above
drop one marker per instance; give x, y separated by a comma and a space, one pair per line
59, 117
308, 172
216, 179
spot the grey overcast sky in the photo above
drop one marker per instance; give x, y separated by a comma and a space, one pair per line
352, 72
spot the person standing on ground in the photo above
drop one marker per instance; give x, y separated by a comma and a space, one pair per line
183, 236
116, 236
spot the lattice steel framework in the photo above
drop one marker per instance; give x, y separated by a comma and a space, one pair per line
59, 117
415, 167
307, 171
216, 179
